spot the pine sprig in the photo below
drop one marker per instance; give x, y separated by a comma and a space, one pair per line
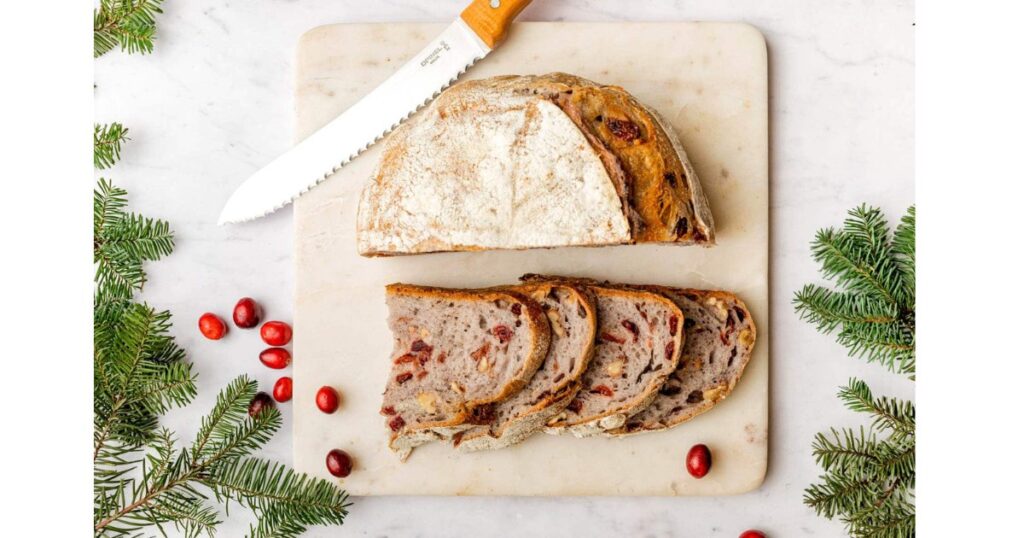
122, 242
106, 144
286, 501
874, 314
869, 475
130, 24
142, 480
220, 461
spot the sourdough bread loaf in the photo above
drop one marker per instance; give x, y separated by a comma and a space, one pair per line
638, 343
720, 335
456, 353
571, 313
531, 161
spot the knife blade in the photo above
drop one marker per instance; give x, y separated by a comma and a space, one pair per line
478, 30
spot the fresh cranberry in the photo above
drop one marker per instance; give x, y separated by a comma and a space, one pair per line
260, 402
212, 326
276, 333
339, 463
283, 389
275, 357
327, 399
698, 461
247, 313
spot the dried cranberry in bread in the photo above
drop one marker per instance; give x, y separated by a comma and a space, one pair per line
639, 338
456, 353
720, 335
573, 317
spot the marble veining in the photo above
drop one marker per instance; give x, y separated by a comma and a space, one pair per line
214, 102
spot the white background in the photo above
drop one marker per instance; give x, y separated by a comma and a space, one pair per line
214, 103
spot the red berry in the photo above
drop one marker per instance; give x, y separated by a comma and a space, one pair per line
327, 399
275, 357
698, 461
260, 402
752, 534
276, 333
212, 327
339, 463
283, 389
247, 313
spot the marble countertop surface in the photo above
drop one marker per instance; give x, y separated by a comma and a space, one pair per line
214, 102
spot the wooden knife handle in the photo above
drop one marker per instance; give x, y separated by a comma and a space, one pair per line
490, 19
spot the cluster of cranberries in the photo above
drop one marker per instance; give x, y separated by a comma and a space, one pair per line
247, 315
277, 334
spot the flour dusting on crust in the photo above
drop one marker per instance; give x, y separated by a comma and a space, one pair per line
488, 165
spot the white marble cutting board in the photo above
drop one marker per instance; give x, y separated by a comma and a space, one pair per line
710, 81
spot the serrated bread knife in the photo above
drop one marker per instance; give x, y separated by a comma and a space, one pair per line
477, 31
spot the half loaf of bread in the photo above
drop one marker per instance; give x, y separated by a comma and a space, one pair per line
517, 162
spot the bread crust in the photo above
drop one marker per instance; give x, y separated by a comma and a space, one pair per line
403, 441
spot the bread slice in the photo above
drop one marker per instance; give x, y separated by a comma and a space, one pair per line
639, 339
531, 161
720, 335
573, 317
456, 353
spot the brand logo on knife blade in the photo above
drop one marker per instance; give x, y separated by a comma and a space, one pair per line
435, 54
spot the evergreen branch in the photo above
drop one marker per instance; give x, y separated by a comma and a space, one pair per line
838, 494
904, 246
245, 437
108, 206
896, 416
287, 501
128, 23
122, 242
842, 260
106, 144
895, 521
869, 481
231, 407
874, 312
850, 452
828, 309
141, 481
891, 345
172, 479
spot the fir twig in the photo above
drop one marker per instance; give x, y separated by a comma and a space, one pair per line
130, 24
142, 480
874, 314
122, 242
869, 480
288, 502
106, 144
